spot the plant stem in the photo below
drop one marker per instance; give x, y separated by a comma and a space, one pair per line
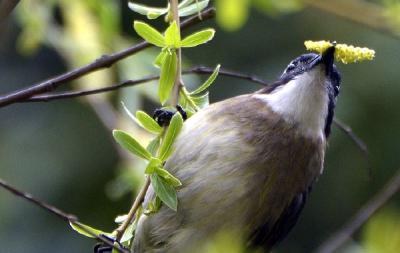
138, 201
178, 77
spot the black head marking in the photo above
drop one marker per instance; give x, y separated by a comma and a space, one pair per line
299, 65
302, 64
296, 67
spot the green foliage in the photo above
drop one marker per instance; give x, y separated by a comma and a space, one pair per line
164, 191
130, 144
149, 34
150, 12
173, 36
161, 147
148, 122
167, 58
167, 75
198, 38
83, 230
170, 136
208, 82
185, 8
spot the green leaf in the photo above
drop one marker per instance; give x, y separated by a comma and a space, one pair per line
201, 101
192, 9
129, 143
153, 145
173, 130
149, 34
129, 113
83, 230
120, 218
154, 163
150, 12
148, 122
158, 62
185, 3
128, 234
172, 35
198, 38
164, 191
208, 82
167, 76
168, 177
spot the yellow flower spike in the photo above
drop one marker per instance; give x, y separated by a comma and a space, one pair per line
343, 52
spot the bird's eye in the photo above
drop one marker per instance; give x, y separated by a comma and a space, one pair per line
290, 67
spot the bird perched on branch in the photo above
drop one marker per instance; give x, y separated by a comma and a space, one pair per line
247, 164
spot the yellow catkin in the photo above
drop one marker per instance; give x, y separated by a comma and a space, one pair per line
343, 52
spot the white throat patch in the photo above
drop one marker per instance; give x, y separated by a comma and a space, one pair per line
303, 100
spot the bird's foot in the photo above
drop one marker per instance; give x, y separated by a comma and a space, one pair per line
102, 247
164, 116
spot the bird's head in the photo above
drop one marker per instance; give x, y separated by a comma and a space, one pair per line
306, 92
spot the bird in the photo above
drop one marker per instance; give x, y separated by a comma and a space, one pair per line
247, 164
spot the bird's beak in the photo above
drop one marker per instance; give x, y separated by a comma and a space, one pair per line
327, 58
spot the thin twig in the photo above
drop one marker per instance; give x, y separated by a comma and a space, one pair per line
178, 75
105, 61
128, 83
362, 216
59, 213
225, 72
356, 140
73, 94
136, 204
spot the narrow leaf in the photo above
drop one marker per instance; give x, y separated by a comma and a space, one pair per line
172, 35
193, 8
148, 122
129, 113
82, 229
158, 62
149, 34
128, 234
150, 12
201, 101
120, 218
168, 177
208, 82
173, 130
185, 3
198, 38
164, 191
167, 78
153, 145
154, 163
129, 143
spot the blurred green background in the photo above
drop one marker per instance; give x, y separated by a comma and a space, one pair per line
63, 151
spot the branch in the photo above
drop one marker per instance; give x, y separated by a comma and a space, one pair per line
136, 204
362, 216
51, 209
356, 140
178, 76
105, 61
128, 83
